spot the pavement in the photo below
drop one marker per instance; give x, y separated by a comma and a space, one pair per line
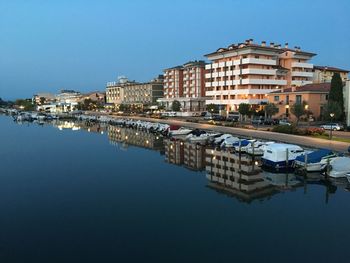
258, 134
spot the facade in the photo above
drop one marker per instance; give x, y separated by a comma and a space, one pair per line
248, 72
95, 96
315, 95
143, 93
43, 98
185, 84
124, 91
323, 74
114, 92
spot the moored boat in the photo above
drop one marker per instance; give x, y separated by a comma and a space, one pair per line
280, 155
315, 161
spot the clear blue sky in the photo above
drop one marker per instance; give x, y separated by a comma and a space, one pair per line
82, 44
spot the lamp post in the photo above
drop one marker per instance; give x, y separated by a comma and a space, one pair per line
307, 114
330, 134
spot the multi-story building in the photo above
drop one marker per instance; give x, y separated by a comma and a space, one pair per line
43, 98
323, 74
124, 91
185, 84
143, 93
114, 92
248, 72
315, 95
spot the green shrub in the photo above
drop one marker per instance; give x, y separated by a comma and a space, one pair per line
288, 129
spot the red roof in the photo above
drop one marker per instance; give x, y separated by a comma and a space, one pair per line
331, 69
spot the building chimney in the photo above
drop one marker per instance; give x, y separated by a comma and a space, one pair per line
286, 45
263, 43
247, 41
272, 44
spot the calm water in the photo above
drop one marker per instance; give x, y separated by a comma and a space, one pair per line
73, 193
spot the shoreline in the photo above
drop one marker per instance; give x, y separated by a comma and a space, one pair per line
258, 134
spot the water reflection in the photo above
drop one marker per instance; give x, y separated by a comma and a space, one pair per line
190, 155
237, 175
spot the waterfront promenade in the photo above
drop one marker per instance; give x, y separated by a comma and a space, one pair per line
259, 134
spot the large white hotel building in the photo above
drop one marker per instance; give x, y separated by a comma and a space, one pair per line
247, 72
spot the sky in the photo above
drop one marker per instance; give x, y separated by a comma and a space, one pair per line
48, 45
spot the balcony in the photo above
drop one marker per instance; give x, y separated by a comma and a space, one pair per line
208, 84
264, 82
302, 74
257, 71
237, 101
301, 82
259, 61
302, 65
208, 66
207, 75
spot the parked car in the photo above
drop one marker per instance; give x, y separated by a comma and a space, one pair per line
284, 122
232, 118
332, 126
218, 117
258, 120
271, 121
208, 116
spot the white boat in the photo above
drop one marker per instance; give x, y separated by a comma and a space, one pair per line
220, 139
180, 131
257, 148
281, 155
348, 176
202, 138
339, 167
229, 142
316, 161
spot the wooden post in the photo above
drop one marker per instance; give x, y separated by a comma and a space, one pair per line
305, 161
287, 158
328, 168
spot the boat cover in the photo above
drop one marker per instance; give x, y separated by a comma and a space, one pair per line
315, 156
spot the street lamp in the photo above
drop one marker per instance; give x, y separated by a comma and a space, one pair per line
330, 134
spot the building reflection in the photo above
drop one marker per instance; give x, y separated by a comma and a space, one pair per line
120, 136
237, 175
78, 125
183, 153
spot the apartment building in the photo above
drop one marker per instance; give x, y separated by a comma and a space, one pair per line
143, 93
114, 92
315, 95
248, 72
323, 74
186, 84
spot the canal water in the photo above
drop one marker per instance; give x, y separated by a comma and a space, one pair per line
73, 192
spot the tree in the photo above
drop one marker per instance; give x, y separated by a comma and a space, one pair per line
25, 104
244, 109
298, 110
271, 109
332, 107
213, 108
336, 94
176, 105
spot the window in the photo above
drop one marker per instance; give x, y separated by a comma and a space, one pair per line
298, 99
326, 96
287, 99
256, 56
276, 98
